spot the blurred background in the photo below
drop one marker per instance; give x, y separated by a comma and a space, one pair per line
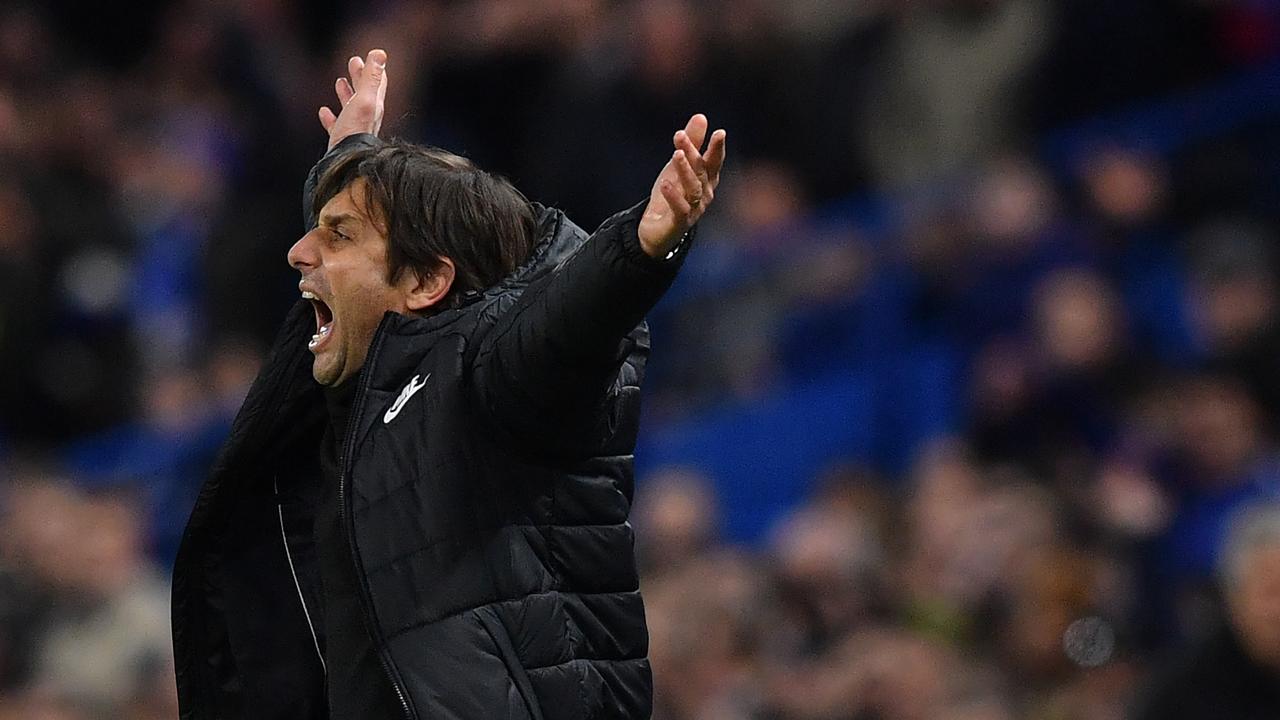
949, 415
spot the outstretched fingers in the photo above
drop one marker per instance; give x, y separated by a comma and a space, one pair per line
690, 183
366, 80
713, 159
327, 118
696, 129
371, 72
379, 61
345, 92
674, 196
684, 195
344, 89
361, 97
685, 143
706, 164
355, 69
684, 188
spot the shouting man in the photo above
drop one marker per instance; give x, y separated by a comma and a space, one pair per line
422, 509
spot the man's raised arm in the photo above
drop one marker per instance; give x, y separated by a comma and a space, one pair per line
549, 364
553, 357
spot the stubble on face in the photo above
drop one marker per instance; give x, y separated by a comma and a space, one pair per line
347, 279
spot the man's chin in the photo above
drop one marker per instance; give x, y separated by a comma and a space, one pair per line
325, 371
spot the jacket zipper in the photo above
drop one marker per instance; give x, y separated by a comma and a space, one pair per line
348, 522
275, 485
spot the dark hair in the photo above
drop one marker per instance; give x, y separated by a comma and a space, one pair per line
433, 204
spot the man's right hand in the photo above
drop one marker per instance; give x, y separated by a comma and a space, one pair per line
361, 97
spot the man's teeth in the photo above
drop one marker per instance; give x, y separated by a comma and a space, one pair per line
324, 331
308, 295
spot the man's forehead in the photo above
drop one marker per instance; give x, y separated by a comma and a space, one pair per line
348, 205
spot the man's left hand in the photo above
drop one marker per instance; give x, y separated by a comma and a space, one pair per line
684, 189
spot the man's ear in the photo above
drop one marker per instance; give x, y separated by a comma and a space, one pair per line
429, 289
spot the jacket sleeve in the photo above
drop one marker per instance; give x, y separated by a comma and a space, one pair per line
349, 143
546, 370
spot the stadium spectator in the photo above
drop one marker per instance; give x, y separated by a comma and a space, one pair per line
1235, 672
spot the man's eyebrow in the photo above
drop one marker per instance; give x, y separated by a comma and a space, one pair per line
337, 219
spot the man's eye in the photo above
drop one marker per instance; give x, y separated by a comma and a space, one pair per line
341, 235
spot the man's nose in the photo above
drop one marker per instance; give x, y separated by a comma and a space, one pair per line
305, 252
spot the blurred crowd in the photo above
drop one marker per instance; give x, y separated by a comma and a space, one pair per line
972, 598
1064, 505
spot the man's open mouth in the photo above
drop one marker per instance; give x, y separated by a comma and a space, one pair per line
324, 320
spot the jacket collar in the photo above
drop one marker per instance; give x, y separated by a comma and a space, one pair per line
558, 238
407, 338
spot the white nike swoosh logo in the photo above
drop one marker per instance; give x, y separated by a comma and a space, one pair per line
414, 386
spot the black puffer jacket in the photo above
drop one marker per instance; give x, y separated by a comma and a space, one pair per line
487, 509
